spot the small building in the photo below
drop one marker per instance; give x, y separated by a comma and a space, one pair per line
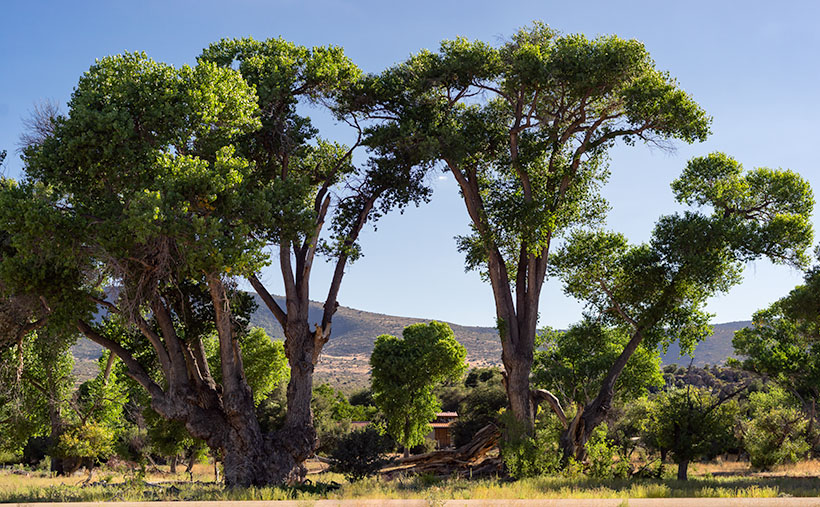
442, 431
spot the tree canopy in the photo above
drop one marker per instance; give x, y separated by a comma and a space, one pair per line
524, 128
406, 370
656, 292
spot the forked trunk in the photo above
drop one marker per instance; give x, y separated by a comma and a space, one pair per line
574, 437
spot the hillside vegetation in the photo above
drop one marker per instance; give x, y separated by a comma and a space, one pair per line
344, 360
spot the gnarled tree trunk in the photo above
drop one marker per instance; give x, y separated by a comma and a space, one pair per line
574, 438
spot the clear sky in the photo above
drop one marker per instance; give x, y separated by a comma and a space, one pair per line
752, 65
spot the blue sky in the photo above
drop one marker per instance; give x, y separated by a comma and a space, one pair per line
752, 65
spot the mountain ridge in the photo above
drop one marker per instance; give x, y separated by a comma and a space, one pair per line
344, 360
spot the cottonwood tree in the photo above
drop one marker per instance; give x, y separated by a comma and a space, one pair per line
524, 129
405, 372
328, 197
783, 344
168, 183
139, 187
656, 292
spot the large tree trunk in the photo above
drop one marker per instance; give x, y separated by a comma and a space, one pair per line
517, 384
516, 304
297, 439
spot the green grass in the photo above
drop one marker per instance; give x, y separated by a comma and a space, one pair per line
15, 488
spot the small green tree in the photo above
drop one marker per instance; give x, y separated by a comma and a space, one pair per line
776, 432
690, 423
405, 372
35, 389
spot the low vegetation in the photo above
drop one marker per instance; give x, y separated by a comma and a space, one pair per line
707, 481
142, 209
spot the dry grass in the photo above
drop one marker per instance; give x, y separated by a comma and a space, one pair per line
724, 468
708, 480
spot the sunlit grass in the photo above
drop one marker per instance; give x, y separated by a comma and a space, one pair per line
41, 487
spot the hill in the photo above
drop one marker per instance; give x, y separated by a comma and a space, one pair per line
714, 350
344, 362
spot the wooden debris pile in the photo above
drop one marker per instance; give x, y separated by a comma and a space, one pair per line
470, 460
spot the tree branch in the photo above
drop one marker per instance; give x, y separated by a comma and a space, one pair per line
271, 303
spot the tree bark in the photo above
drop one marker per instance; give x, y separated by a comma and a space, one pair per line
224, 418
517, 385
683, 466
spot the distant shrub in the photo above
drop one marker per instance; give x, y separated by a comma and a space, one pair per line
360, 453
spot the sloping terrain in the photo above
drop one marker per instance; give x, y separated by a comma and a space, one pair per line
344, 360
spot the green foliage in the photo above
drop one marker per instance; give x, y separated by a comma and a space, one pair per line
661, 287
505, 119
360, 453
628, 422
783, 342
145, 151
405, 372
601, 453
332, 415
776, 432
90, 440
263, 359
103, 398
42, 391
691, 423
766, 211
530, 456
572, 364
294, 167
484, 401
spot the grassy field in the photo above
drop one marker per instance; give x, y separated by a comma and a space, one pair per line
708, 480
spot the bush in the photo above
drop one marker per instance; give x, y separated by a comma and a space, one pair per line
526, 456
360, 454
601, 452
427, 445
776, 432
